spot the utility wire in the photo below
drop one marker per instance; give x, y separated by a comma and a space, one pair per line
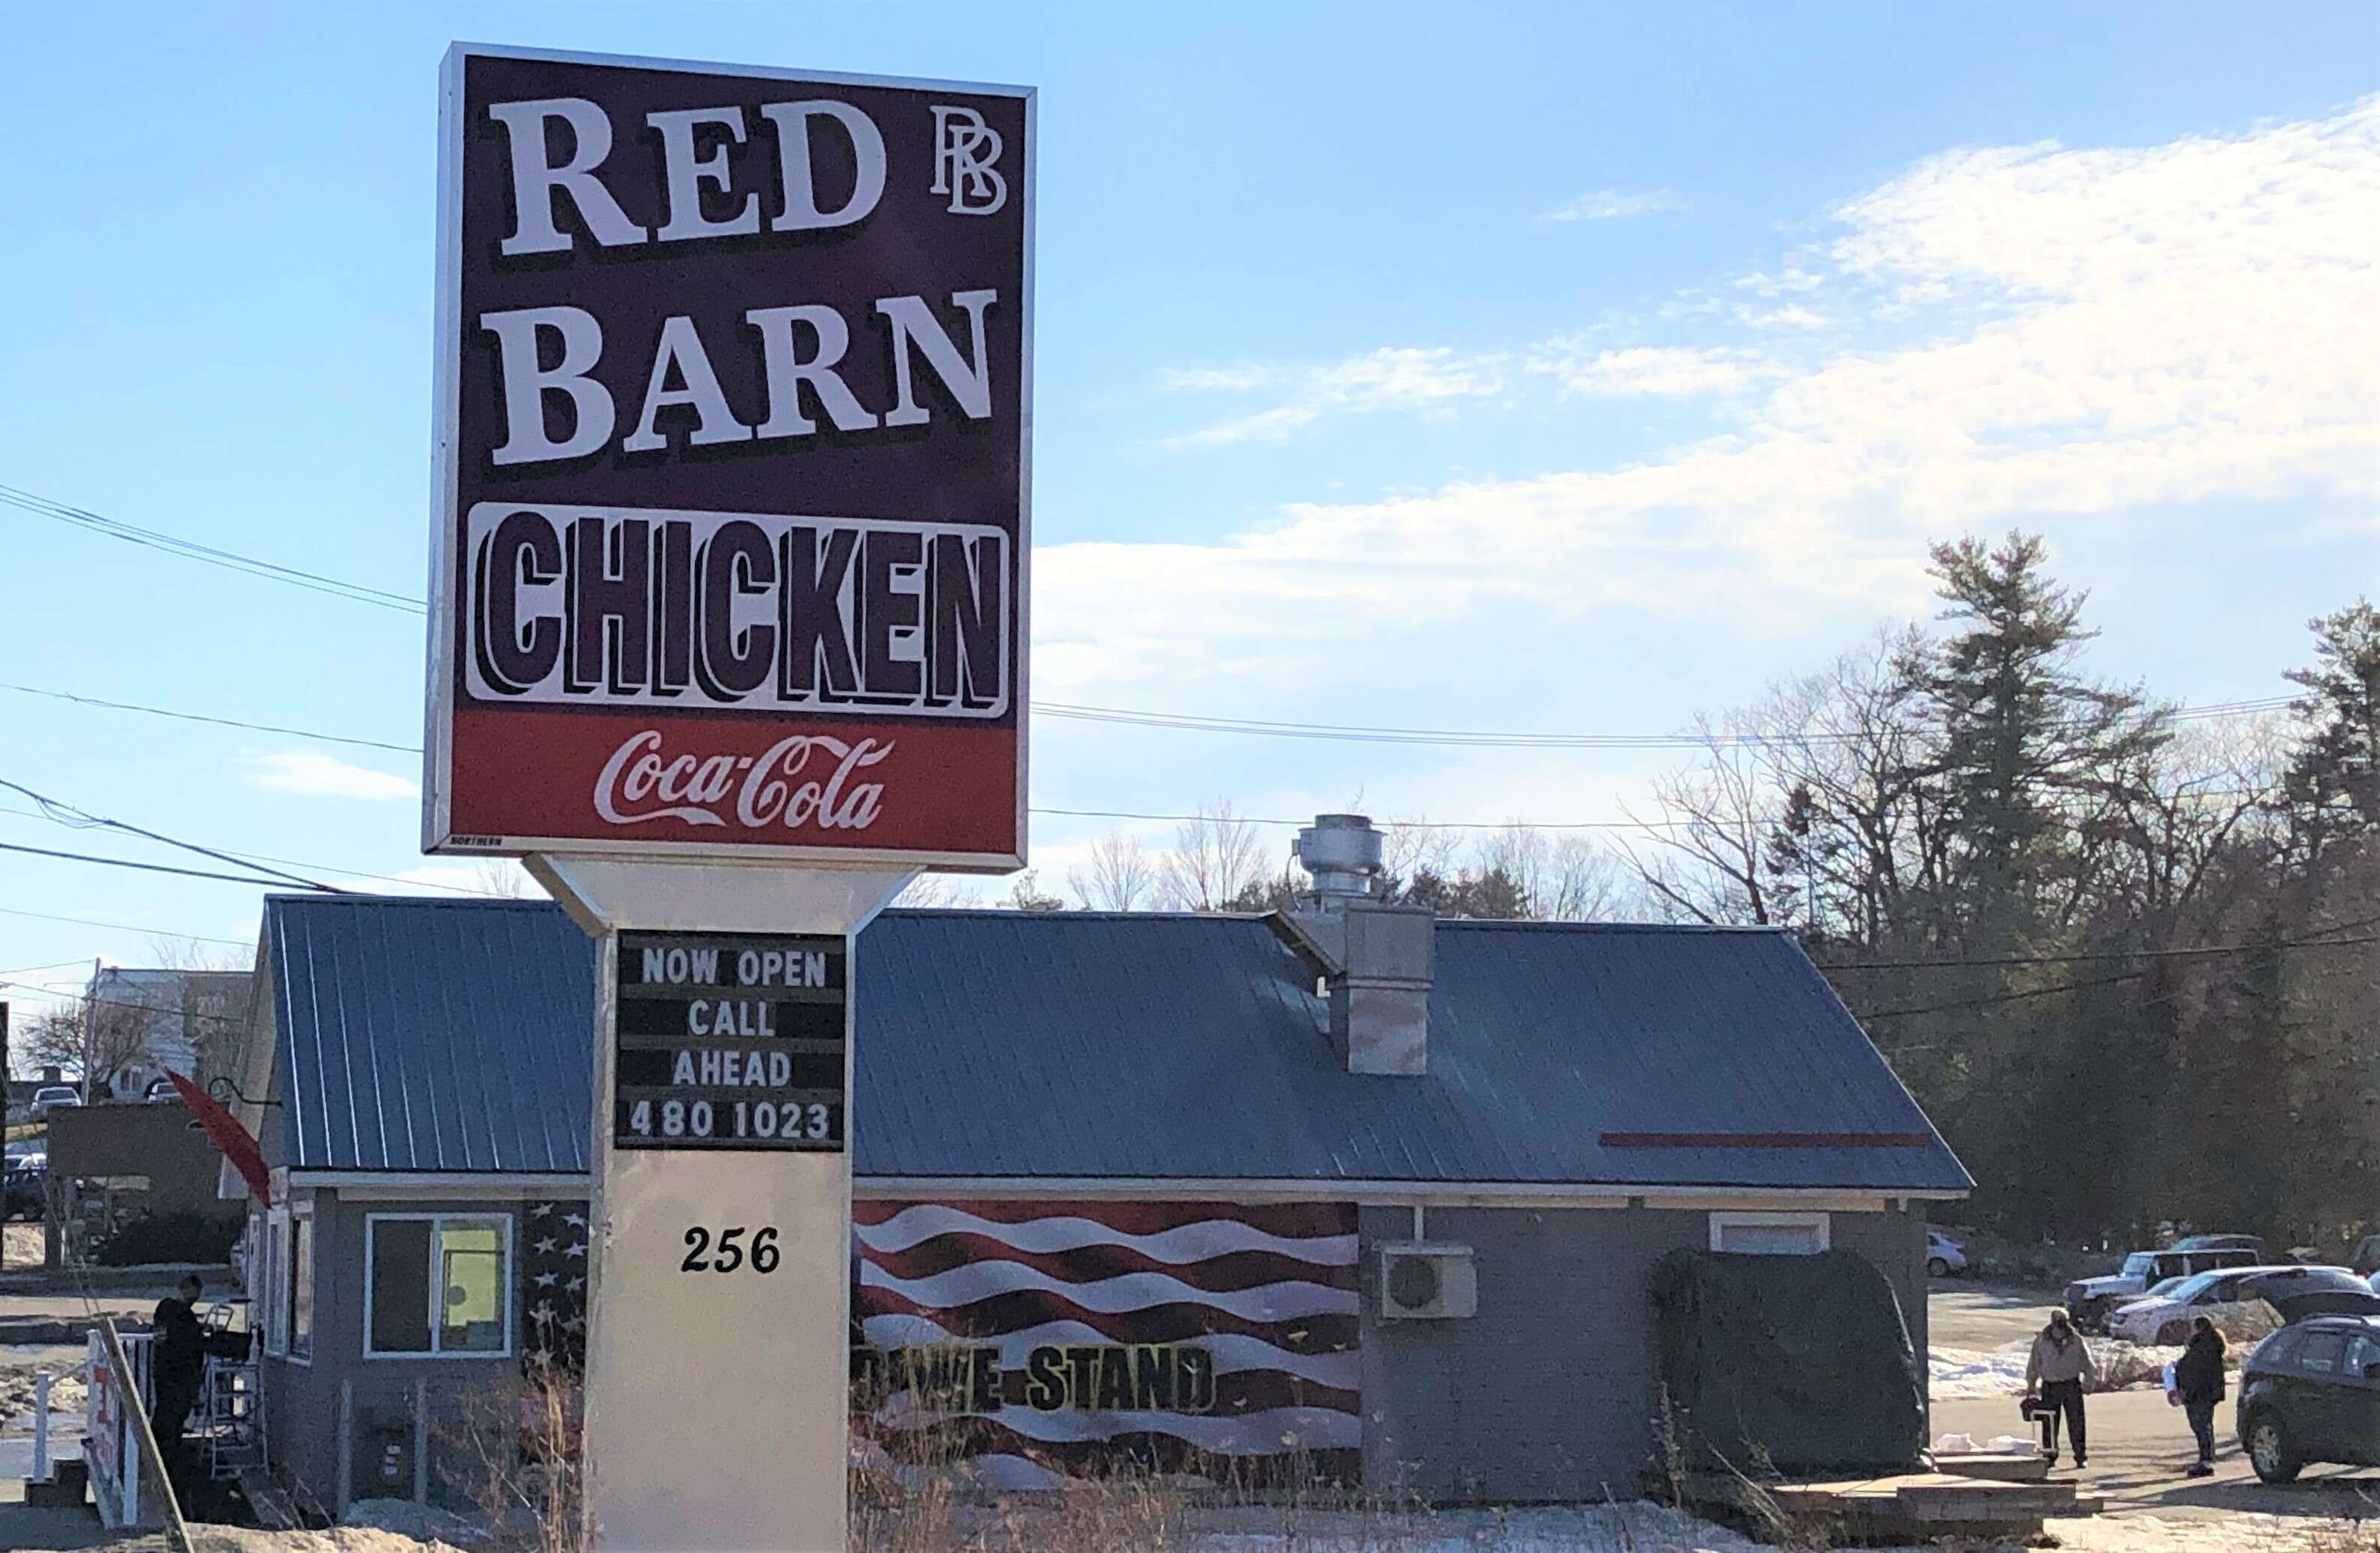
216, 721
2078, 986
2322, 937
154, 867
152, 539
68, 815
120, 927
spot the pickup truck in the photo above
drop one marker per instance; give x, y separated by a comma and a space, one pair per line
2090, 1301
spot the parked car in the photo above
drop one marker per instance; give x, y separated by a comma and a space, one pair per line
50, 1096
2366, 1259
2090, 1301
160, 1090
2220, 1243
2295, 1292
20, 1188
1944, 1256
2311, 1393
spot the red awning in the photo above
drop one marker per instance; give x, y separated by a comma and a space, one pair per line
228, 1137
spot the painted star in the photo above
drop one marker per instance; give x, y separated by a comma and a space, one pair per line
578, 1250
545, 1280
575, 1284
545, 1248
575, 1221
542, 1210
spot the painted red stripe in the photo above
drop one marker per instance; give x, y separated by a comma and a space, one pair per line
1236, 1391
1767, 1140
1176, 1322
1232, 1271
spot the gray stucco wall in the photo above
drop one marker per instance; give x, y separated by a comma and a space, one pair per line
1549, 1392
302, 1399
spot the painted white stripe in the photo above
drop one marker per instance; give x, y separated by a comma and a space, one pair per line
1232, 1352
1284, 1301
1266, 1432
1186, 1243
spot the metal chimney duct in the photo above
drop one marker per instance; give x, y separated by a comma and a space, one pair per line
1375, 958
1342, 854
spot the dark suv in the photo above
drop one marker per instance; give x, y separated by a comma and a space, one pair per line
2312, 1393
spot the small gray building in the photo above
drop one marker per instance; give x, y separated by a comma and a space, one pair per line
1377, 1192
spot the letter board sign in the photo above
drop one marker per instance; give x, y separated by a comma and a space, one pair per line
732, 487
729, 1042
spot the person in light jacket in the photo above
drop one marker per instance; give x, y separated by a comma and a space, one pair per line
2198, 1380
2059, 1363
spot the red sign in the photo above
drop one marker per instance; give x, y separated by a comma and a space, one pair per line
734, 470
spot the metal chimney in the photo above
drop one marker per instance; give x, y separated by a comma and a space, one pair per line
1375, 958
1341, 853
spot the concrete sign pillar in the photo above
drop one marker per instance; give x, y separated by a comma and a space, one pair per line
719, 1277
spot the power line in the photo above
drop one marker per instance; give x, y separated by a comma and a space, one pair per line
121, 927
191, 549
2320, 941
77, 819
264, 857
152, 867
216, 721
1958, 1004
1461, 738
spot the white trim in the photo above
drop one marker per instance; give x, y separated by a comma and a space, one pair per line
1722, 1223
276, 1256
414, 1186
301, 1215
437, 1221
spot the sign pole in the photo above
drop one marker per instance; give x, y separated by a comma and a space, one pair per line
717, 1417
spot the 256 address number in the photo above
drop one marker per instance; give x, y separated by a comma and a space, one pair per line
725, 1251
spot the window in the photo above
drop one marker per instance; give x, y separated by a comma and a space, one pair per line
301, 1321
1769, 1234
438, 1283
2363, 1358
2321, 1352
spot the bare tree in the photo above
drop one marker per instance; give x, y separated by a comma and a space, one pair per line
933, 890
1581, 881
1025, 894
93, 1039
1119, 876
1216, 859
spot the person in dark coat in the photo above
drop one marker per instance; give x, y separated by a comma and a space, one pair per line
2198, 1379
177, 1364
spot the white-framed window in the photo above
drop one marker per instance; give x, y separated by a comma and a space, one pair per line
438, 1283
299, 1306
268, 1294
1769, 1234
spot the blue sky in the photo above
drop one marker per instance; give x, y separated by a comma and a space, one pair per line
1540, 368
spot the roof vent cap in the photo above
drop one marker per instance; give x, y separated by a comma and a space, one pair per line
1341, 853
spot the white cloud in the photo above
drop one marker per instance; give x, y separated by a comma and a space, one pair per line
326, 776
1652, 371
1208, 379
2102, 333
1614, 204
1389, 379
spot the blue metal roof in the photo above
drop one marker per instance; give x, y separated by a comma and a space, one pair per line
453, 1036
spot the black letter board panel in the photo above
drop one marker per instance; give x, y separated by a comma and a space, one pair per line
729, 1041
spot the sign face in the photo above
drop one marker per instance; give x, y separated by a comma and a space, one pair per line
730, 1041
732, 495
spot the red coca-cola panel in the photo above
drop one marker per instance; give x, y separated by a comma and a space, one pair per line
733, 383
730, 782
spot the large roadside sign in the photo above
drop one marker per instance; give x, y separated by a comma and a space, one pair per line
732, 481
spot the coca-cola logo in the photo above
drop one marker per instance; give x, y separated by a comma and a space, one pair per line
806, 780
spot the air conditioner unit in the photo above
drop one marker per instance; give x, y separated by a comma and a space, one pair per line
1424, 1280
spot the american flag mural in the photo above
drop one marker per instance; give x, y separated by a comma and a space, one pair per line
553, 1240
1036, 1340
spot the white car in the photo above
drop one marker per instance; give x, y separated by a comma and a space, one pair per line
1944, 1256
2292, 1291
51, 1096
